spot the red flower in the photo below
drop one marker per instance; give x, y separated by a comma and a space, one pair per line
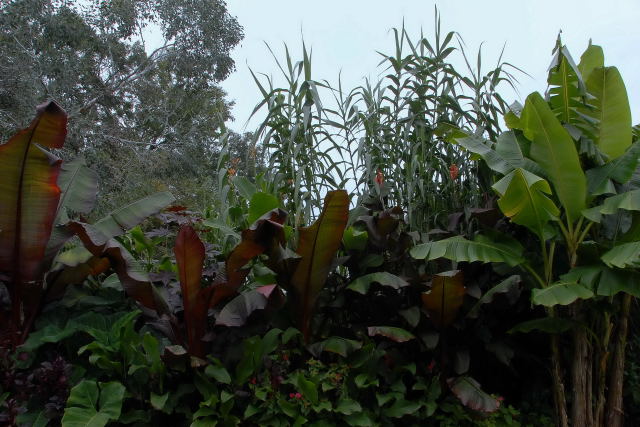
292, 395
298, 396
379, 177
500, 399
431, 366
453, 172
252, 380
285, 357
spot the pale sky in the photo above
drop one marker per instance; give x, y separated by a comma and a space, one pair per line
346, 34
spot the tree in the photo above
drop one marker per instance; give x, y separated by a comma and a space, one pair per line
143, 115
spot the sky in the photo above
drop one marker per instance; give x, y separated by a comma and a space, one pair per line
345, 36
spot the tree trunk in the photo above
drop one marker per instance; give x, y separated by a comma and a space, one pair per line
615, 409
559, 401
581, 408
601, 371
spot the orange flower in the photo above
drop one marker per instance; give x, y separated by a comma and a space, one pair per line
379, 177
453, 172
231, 172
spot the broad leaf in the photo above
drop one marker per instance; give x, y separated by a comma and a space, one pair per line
354, 239
629, 201
623, 256
393, 333
237, 311
317, 247
523, 198
190, 254
264, 235
611, 111
120, 221
553, 148
338, 345
471, 395
480, 249
29, 194
79, 186
260, 204
562, 293
605, 281
566, 87
619, 170
363, 283
134, 279
445, 298
501, 288
479, 146
592, 58
550, 325
93, 405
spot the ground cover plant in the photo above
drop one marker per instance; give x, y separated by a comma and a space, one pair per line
474, 275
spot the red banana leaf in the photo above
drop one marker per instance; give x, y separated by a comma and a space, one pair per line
264, 235
190, 254
445, 297
29, 194
317, 247
134, 280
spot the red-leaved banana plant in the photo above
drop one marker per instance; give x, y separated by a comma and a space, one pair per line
29, 196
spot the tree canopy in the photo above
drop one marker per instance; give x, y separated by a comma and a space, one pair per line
142, 107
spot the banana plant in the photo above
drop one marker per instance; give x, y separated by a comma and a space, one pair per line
38, 194
564, 171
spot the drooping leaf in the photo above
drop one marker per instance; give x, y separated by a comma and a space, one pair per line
562, 293
363, 283
523, 198
237, 311
553, 148
121, 220
611, 111
265, 235
190, 254
479, 146
503, 287
93, 405
134, 279
29, 193
393, 333
514, 149
550, 325
480, 249
317, 248
605, 281
338, 345
445, 298
471, 395
629, 201
626, 255
79, 186
619, 170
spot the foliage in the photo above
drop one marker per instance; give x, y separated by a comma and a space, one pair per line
35, 225
579, 138
387, 313
383, 136
149, 113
